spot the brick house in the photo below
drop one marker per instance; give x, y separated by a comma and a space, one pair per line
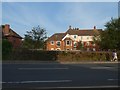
11, 36
72, 37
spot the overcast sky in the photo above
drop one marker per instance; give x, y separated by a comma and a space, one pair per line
57, 16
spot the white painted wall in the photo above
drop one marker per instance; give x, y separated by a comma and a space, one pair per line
82, 38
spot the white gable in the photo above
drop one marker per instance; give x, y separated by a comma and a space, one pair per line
68, 36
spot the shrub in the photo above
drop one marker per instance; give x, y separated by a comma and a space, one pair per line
6, 49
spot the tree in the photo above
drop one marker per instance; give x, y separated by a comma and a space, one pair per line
6, 48
110, 38
80, 46
35, 38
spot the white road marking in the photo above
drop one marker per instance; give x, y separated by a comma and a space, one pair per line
43, 68
112, 79
102, 67
52, 81
108, 86
80, 87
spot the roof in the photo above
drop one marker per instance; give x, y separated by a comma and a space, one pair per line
76, 31
57, 36
88, 32
11, 33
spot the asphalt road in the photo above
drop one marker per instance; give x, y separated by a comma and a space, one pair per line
55, 75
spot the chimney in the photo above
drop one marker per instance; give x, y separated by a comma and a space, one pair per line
70, 27
7, 29
94, 27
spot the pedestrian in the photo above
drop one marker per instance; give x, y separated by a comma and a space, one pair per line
114, 56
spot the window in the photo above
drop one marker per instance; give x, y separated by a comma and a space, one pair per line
88, 43
81, 37
75, 36
58, 43
52, 42
52, 48
94, 44
87, 37
75, 44
68, 49
94, 49
68, 42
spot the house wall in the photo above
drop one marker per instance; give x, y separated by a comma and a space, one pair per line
16, 42
63, 46
82, 38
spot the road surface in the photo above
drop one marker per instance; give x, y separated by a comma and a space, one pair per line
55, 75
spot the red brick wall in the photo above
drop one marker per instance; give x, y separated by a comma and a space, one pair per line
16, 42
62, 46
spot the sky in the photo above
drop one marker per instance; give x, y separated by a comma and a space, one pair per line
56, 17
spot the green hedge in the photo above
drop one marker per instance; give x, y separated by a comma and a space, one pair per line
85, 56
24, 54
32, 55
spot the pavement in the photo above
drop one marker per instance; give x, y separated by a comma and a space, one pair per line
61, 75
58, 61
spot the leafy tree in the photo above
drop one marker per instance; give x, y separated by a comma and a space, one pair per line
110, 38
80, 46
6, 48
35, 38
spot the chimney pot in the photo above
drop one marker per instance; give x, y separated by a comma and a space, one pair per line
70, 27
94, 27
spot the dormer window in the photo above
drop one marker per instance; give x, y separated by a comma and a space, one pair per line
87, 37
75, 36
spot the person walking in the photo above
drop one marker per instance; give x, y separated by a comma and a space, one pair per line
114, 56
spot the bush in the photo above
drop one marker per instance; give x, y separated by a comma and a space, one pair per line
6, 49
40, 55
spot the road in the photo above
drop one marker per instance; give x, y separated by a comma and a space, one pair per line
56, 75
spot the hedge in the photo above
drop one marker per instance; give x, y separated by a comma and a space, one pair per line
40, 55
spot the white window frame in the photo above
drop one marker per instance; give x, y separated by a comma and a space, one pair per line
52, 43
75, 36
81, 37
57, 42
52, 48
75, 43
94, 44
88, 43
87, 37
68, 44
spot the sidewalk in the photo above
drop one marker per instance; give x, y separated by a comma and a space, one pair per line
61, 62
89, 62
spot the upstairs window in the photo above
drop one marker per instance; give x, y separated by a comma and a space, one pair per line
81, 37
75, 36
58, 43
52, 42
87, 37
68, 42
